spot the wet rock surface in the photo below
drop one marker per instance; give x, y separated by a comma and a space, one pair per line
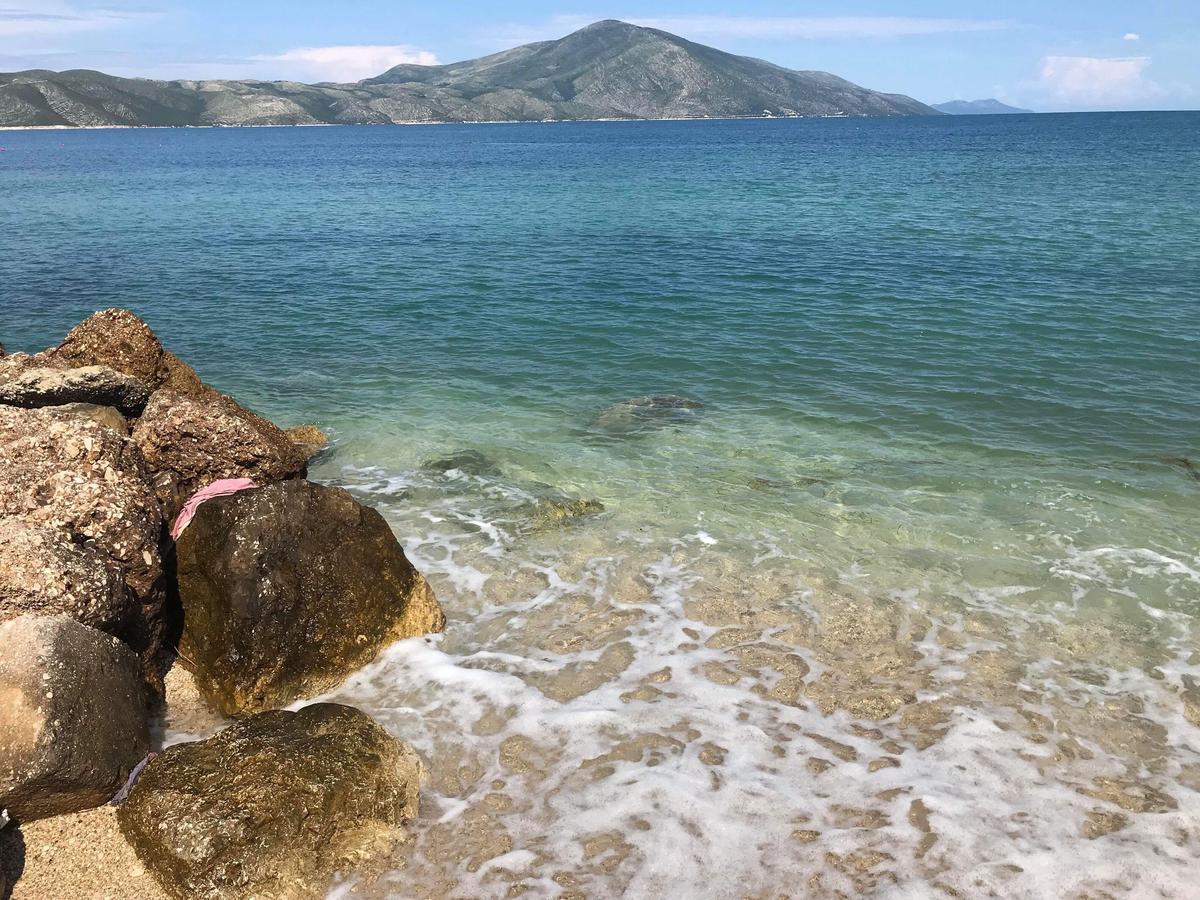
289, 588
272, 806
309, 439
72, 720
641, 414
469, 462
191, 440
33, 388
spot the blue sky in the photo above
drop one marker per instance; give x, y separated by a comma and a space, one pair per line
1048, 55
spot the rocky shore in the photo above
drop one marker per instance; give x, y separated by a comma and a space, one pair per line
149, 526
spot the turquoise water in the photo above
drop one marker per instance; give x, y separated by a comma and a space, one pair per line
939, 506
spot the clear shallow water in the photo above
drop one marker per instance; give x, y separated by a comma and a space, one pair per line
909, 607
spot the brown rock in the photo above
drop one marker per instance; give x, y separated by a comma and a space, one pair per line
35, 387
43, 572
118, 339
90, 483
115, 338
190, 440
290, 588
272, 806
72, 716
310, 439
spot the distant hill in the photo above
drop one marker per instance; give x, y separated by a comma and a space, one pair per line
608, 70
978, 108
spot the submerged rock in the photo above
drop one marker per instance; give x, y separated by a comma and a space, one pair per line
640, 414
554, 512
33, 388
288, 589
272, 806
90, 484
72, 716
191, 440
469, 462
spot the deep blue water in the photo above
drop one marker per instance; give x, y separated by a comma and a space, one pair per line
932, 537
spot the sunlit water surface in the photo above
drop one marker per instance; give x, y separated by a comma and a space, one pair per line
908, 608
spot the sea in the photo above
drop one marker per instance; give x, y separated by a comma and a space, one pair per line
815, 503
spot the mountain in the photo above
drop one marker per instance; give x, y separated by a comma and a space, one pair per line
978, 108
608, 70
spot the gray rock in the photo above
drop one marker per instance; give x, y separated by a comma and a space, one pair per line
32, 388
469, 462
288, 589
191, 440
72, 720
89, 483
90, 412
272, 806
44, 572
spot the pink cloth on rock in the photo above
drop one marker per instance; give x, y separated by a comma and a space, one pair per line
222, 488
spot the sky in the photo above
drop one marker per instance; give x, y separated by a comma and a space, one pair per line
1048, 55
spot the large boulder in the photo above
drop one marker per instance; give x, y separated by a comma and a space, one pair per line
72, 716
89, 483
191, 440
36, 387
118, 339
272, 806
44, 572
288, 589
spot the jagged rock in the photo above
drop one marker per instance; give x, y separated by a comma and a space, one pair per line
272, 806
309, 439
90, 483
288, 589
33, 388
191, 440
44, 572
90, 412
118, 339
72, 719
469, 462
640, 414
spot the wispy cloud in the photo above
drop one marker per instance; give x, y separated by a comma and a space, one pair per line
1092, 82
1132, 36
348, 63
50, 17
818, 27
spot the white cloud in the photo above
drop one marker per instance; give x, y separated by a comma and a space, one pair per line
348, 63
1091, 82
1132, 36
817, 27
52, 17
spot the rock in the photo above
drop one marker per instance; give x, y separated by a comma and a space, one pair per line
177, 375
89, 483
72, 719
272, 806
469, 462
288, 589
115, 338
101, 415
553, 512
32, 388
641, 414
309, 439
191, 440
43, 572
